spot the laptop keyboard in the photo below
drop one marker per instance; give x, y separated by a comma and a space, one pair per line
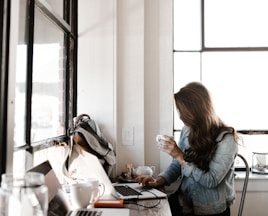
86, 212
126, 190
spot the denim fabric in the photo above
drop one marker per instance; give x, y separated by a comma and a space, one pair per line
210, 192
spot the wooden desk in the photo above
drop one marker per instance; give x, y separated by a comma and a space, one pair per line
162, 209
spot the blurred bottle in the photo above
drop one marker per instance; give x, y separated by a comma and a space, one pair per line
23, 195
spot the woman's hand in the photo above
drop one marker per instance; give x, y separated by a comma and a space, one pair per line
146, 180
169, 146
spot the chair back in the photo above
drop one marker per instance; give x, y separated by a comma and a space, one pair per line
244, 190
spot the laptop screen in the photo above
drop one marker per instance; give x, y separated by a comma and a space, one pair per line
58, 202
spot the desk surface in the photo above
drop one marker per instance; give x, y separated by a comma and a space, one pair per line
150, 207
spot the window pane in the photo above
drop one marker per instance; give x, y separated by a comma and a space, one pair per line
238, 83
20, 75
48, 75
177, 136
236, 23
56, 6
20, 96
186, 69
187, 25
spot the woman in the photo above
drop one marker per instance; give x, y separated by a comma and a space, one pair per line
204, 157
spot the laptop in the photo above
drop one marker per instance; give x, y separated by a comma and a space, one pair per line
123, 191
59, 203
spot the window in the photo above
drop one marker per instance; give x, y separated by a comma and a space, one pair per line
219, 44
44, 41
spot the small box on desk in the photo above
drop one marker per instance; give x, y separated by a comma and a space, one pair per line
106, 203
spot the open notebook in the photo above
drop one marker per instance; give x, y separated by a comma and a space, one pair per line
94, 169
59, 203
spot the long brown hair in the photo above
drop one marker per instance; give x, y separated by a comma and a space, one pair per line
195, 108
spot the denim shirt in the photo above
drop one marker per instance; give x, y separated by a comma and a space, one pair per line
213, 191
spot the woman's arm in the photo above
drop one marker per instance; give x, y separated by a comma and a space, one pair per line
172, 173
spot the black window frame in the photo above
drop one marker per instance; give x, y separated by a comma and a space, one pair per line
213, 49
4, 53
68, 24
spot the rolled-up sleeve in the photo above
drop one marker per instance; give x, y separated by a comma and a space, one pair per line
172, 172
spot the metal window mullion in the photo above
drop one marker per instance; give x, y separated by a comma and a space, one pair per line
74, 25
71, 71
29, 71
202, 25
4, 59
66, 12
67, 37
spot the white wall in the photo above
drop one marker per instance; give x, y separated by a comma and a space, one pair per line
125, 75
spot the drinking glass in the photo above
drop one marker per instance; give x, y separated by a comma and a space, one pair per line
24, 194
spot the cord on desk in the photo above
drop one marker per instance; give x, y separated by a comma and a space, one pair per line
134, 201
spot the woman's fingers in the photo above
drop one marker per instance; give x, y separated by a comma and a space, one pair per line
145, 180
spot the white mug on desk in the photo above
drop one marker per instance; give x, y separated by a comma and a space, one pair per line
81, 194
99, 188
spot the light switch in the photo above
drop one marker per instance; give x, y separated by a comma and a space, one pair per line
128, 136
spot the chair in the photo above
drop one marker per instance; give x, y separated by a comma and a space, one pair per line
244, 190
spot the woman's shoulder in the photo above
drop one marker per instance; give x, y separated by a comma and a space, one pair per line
227, 141
225, 135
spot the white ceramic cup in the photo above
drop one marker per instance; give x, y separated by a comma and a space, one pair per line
81, 194
160, 139
98, 188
